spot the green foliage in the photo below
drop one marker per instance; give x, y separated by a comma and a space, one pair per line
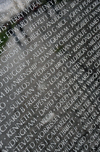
3, 38
59, 48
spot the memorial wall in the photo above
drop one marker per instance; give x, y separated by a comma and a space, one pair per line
50, 76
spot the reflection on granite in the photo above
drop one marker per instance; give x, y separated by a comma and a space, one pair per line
50, 78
